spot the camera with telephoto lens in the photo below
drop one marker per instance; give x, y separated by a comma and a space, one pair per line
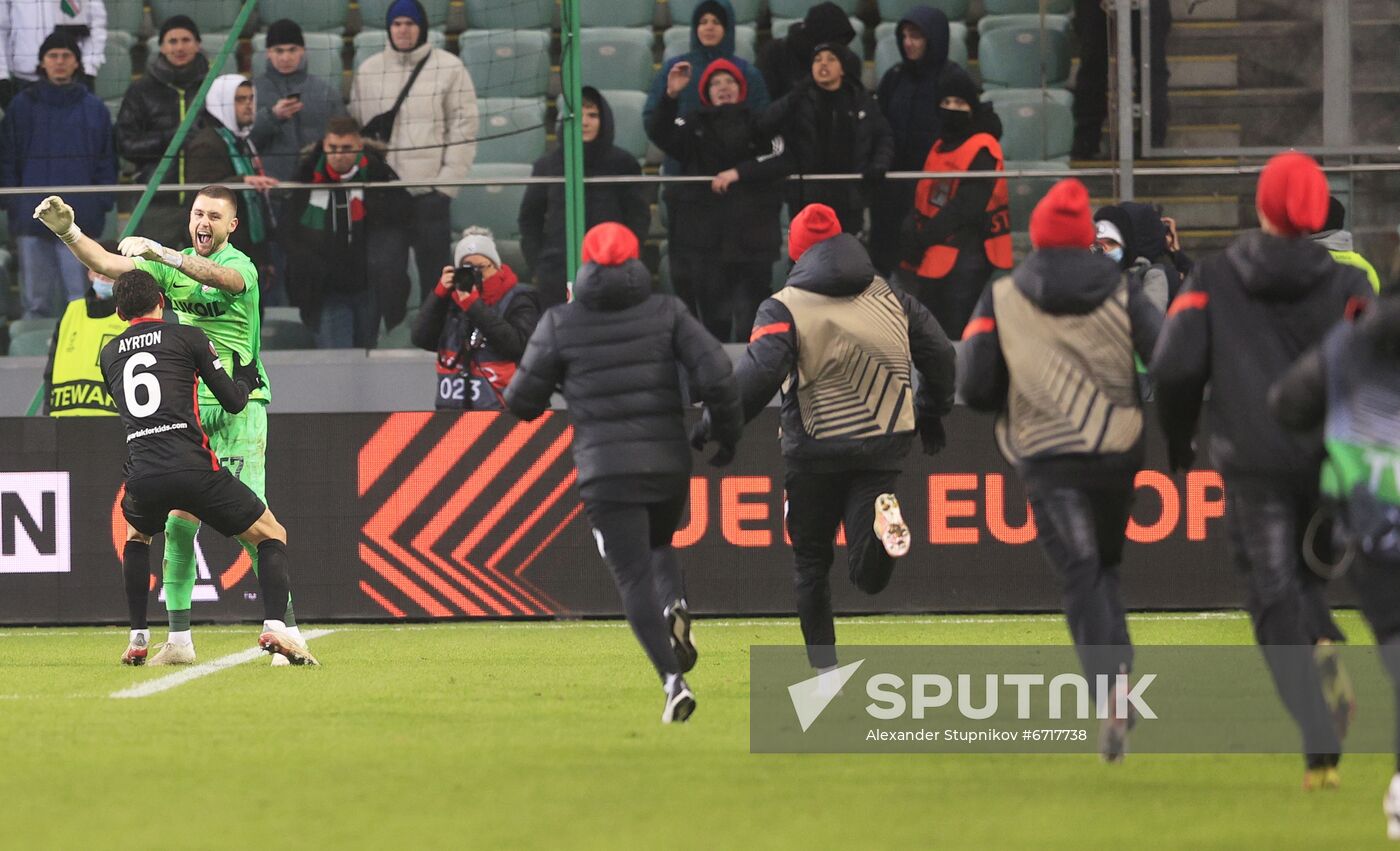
466, 278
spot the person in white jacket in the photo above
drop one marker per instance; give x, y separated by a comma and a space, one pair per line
24, 24
432, 139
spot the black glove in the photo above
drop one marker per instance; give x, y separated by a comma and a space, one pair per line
700, 432
932, 434
723, 455
246, 375
911, 243
1181, 453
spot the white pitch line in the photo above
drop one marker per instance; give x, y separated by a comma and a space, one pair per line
179, 678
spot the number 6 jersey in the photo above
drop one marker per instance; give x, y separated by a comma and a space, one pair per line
152, 370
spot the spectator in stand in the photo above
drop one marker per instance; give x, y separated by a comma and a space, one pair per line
150, 113
478, 319
724, 236
711, 38
55, 133
333, 236
905, 93
1339, 242
834, 127
73, 381
959, 231
432, 138
293, 105
787, 61
1091, 88
219, 151
542, 209
25, 26
1136, 237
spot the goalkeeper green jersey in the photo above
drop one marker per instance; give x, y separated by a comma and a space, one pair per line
229, 319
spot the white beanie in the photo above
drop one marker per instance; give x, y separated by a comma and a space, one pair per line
476, 240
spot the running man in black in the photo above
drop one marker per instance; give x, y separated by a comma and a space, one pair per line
151, 370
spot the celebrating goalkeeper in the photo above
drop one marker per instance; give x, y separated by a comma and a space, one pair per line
214, 287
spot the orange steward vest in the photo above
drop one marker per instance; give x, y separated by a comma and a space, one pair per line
932, 194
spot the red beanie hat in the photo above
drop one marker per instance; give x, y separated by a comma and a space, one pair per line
815, 223
609, 244
1061, 219
727, 67
1293, 194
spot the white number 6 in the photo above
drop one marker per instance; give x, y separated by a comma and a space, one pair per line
131, 381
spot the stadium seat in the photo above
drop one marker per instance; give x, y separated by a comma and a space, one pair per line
745, 11
115, 74
676, 41
1052, 22
893, 10
511, 130
323, 57
312, 15
510, 14
507, 63
211, 16
1026, 192
494, 207
628, 132
372, 12
29, 343
1037, 124
114, 107
782, 25
617, 13
1027, 7
1023, 57
887, 50
616, 57
283, 334
798, 8
24, 326
128, 16
370, 42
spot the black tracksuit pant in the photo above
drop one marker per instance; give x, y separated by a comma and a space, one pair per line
724, 296
1080, 523
1091, 88
952, 298
634, 539
817, 503
1266, 518
1378, 588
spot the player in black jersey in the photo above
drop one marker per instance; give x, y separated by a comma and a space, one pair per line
151, 370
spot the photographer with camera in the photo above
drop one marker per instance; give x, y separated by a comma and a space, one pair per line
478, 320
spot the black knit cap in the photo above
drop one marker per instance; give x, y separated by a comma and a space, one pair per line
60, 40
956, 82
285, 31
179, 22
1336, 212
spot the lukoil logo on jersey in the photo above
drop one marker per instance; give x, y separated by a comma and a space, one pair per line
34, 523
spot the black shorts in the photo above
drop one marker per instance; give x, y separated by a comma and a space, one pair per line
214, 496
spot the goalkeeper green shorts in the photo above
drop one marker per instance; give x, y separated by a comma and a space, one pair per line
240, 441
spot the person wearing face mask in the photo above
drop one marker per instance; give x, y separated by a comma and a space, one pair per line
221, 151
724, 236
959, 231
73, 376
1135, 236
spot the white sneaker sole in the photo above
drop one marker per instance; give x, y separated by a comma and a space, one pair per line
679, 707
890, 526
285, 645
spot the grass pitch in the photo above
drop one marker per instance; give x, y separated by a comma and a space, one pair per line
547, 735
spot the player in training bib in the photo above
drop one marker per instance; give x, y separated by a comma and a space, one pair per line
214, 287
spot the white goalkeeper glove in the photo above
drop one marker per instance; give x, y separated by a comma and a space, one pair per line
149, 249
57, 216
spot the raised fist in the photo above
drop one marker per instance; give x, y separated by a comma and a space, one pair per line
56, 215
677, 79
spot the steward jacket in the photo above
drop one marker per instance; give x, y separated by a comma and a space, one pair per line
1342, 246
1243, 317
1050, 350
617, 353
838, 342
73, 375
952, 215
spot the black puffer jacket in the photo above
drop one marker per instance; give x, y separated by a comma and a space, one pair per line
909, 92
788, 60
151, 111
616, 352
1242, 319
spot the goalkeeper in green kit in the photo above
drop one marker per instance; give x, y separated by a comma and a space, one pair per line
214, 287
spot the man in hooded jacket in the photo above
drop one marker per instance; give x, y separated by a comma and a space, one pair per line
617, 352
1134, 236
787, 61
1243, 318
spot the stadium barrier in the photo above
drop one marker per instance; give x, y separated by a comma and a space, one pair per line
442, 515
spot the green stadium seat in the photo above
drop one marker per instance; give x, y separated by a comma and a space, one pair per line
29, 343
745, 11
126, 15
781, 26
512, 130
510, 14
372, 12
1026, 192
369, 42
283, 334
312, 15
42, 325
211, 16
676, 41
495, 207
1052, 22
798, 8
887, 50
1013, 57
1037, 124
616, 57
507, 63
399, 338
114, 107
629, 134
323, 57
616, 13
893, 10
1027, 7
115, 74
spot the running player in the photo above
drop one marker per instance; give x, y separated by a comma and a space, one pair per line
214, 287
150, 369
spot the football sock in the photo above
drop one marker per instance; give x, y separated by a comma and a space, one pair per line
136, 572
143, 634
181, 637
270, 625
178, 571
274, 579
288, 617
179, 620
